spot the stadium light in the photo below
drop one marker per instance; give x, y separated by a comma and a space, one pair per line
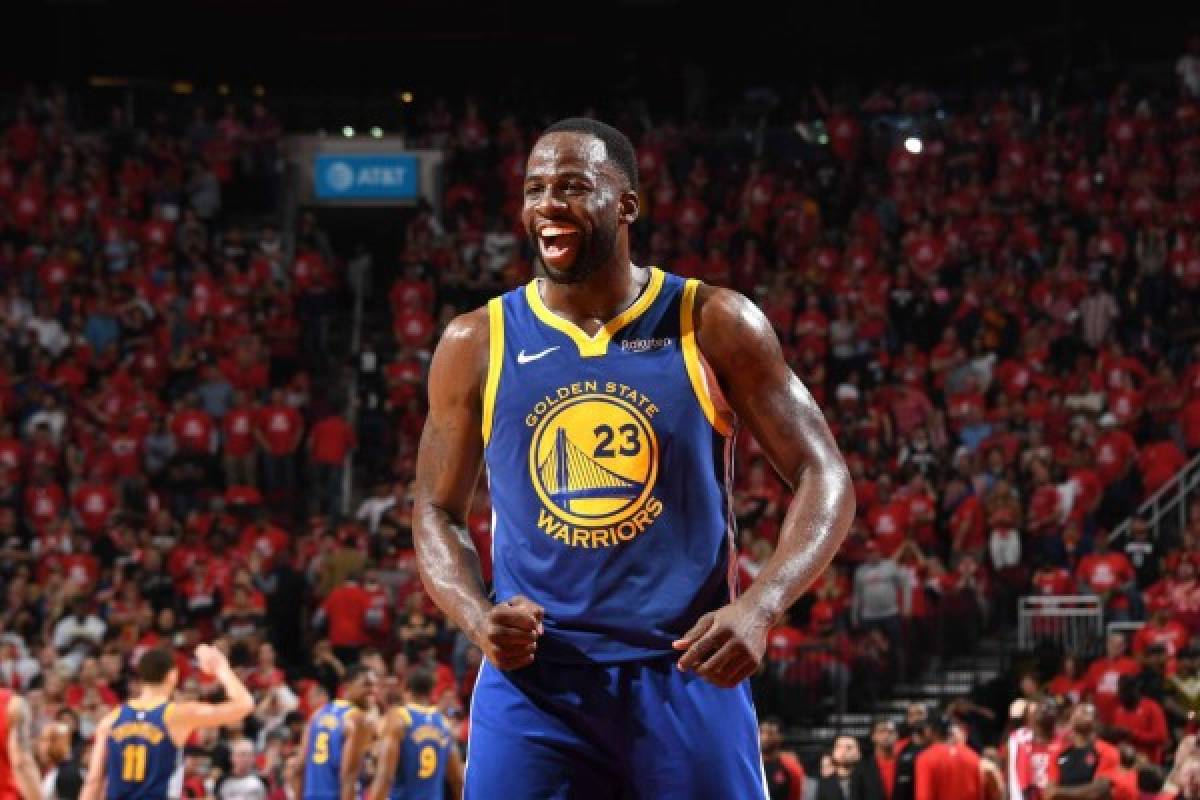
348, 132
182, 87
406, 97
259, 90
914, 145
376, 132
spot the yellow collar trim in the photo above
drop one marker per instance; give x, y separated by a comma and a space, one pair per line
597, 345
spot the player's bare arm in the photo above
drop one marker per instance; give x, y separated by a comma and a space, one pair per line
455, 771
449, 462
297, 781
727, 645
184, 718
94, 783
20, 750
391, 737
358, 739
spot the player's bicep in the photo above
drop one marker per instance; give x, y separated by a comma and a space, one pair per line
455, 768
392, 735
741, 346
184, 718
93, 784
20, 736
451, 448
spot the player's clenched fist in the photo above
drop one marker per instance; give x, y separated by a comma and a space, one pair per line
725, 646
511, 631
210, 660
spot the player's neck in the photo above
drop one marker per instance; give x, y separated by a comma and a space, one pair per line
153, 696
604, 294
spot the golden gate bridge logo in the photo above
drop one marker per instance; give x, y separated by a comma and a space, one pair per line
593, 460
568, 472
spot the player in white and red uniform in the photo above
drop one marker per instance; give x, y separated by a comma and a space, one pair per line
1030, 751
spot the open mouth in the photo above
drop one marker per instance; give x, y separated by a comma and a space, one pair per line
559, 244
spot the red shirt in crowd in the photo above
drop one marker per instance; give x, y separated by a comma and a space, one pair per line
280, 426
948, 772
1115, 452
332, 438
94, 503
1101, 682
346, 610
1147, 727
193, 429
1106, 572
237, 429
1159, 462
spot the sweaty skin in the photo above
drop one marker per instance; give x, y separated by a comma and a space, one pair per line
571, 183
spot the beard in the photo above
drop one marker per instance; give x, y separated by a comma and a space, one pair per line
594, 249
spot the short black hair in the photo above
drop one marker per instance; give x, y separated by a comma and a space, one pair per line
616, 144
354, 672
155, 665
419, 681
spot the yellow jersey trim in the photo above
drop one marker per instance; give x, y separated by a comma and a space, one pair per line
691, 359
495, 363
597, 345
404, 715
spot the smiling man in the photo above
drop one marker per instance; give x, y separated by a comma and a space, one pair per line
603, 399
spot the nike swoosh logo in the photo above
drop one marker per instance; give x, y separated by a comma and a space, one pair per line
523, 358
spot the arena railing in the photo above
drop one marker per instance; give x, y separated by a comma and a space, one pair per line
1073, 623
1168, 505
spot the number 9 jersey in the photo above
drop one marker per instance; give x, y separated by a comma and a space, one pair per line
323, 761
421, 767
143, 762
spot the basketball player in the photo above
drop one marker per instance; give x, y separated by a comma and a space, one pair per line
417, 754
603, 399
19, 779
138, 746
336, 740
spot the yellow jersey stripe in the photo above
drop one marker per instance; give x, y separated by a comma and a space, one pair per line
597, 345
691, 359
495, 363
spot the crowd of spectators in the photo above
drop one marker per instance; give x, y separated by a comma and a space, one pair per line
991, 302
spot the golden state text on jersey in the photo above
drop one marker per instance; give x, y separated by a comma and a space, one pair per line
608, 461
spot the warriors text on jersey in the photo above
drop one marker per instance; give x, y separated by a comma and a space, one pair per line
421, 766
143, 762
323, 759
608, 459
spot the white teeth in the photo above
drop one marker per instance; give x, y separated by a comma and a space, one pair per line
554, 230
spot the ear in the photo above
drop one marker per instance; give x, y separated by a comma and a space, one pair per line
628, 207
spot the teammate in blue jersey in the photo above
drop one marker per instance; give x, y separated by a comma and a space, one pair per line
603, 398
138, 747
417, 756
336, 740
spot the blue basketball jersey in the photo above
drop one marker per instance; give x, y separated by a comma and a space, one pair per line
323, 759
142, 762
421, 767
609, 462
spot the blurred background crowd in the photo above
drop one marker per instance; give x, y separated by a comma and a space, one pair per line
993, 294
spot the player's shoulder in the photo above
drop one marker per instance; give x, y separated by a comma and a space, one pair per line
468, 326
727, 315
465, 339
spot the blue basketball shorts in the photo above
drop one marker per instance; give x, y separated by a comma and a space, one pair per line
639, 729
